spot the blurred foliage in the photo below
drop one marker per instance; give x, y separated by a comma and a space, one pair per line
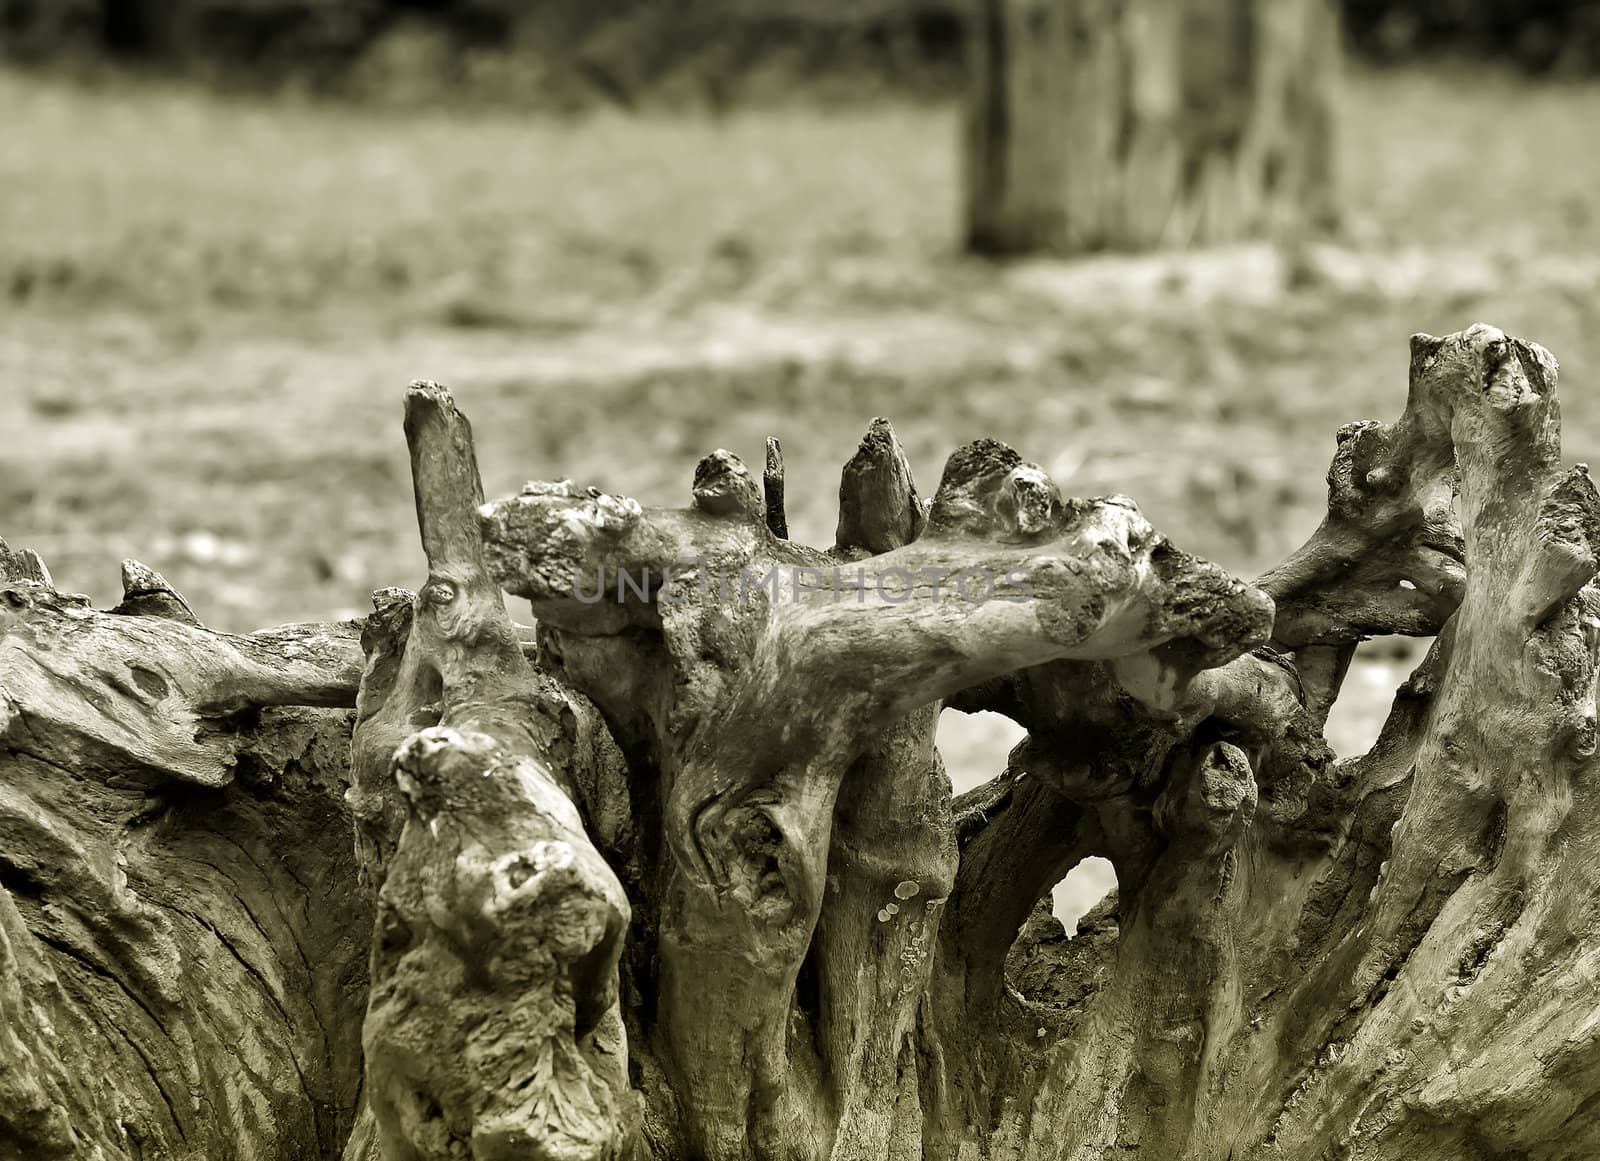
210, 306
577, 53
1539, 35
565, 53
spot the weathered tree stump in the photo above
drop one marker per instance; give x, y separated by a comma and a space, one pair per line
1148, 123
678, 873
183, 952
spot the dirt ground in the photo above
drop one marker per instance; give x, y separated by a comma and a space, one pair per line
210, 308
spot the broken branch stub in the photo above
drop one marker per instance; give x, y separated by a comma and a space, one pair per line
1388, 558
879, 509
772, 490
492, 1025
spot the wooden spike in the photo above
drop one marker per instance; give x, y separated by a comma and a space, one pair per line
146, 593
878, 505
23, 564
772, 481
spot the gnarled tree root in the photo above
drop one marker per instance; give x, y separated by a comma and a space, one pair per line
694, 884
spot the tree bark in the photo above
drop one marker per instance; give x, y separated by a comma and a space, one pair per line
1138, 124
182, 955
678, 873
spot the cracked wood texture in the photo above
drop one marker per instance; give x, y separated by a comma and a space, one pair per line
182, 960
676, 871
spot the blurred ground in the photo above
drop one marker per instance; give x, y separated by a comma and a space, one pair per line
210, 308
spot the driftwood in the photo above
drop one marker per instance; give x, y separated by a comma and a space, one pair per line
678, 873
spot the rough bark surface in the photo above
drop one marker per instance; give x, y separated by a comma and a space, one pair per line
677, 873
1134, 124
182, 955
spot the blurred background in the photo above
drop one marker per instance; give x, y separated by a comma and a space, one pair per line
1163, 248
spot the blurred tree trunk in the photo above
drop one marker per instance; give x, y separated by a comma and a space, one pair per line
1132, 124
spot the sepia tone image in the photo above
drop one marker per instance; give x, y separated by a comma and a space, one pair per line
799, 580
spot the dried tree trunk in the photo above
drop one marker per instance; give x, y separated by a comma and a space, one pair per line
680, 875
1135, 124
182, 950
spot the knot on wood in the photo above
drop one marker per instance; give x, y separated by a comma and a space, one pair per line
1210, 796
552, 537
